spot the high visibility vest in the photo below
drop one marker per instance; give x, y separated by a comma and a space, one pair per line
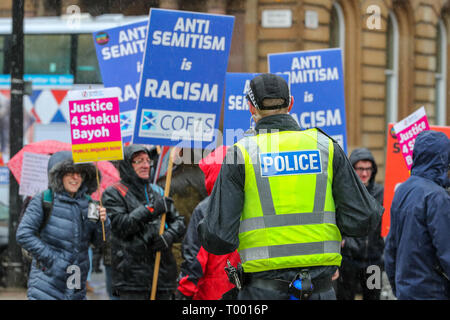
288, 219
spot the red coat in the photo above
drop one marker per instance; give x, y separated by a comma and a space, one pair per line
202, 273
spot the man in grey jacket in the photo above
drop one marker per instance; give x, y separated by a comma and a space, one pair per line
357, 212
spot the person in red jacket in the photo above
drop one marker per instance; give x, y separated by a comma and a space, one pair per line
202, 275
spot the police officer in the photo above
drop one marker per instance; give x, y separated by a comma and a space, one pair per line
283, 199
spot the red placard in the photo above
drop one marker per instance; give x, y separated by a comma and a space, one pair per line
396, 172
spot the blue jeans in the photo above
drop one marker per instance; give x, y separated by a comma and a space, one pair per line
90, 264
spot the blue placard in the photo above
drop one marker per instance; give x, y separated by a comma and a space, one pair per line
317, 85
119, 52
183, 77
290, 163
237, 117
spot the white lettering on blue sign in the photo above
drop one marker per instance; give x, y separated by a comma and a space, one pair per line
180, 90
177, 125
319, 118
237, 103
290, 163
131, 42
194, 34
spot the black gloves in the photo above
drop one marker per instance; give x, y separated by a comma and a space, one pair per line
162, 205
162, 242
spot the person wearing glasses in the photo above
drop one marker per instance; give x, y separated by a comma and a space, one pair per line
135, 205
361, 252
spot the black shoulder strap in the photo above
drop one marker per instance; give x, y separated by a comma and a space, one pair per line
47, 206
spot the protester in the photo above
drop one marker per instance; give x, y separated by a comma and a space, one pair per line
417, 253
202, 275
283, 221
134, 206
360, 253
64, 240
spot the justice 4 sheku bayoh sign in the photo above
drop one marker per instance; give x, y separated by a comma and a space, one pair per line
407, 130
182, 80
237, 120
95, 125
119, 52
317, 85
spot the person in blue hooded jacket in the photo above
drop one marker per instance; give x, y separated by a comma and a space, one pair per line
60, 250
417, 252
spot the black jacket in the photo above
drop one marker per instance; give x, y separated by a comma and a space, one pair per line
133, 232
357, 212
368, 250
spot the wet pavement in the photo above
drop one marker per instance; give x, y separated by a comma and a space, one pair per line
99, 290
97, 283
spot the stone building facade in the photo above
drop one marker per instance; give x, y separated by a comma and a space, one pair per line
395, 51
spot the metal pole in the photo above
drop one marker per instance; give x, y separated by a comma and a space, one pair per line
15, 273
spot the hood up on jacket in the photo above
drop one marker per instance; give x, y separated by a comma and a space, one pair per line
431, 157
210, 165
126, 170
364, 154
61, 163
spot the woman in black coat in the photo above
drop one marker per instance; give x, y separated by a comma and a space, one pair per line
134, 206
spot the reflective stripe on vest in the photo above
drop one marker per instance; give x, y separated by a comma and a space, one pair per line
273, 238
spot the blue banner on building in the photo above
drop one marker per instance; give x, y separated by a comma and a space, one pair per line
237, 120
119, 52
183, 77
41, 80
317, 85
4, 175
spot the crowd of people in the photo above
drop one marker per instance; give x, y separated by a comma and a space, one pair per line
264, 232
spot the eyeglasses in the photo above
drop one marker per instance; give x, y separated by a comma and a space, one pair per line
141, 161
72, 174
360, 169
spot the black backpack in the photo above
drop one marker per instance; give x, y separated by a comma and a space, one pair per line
47, 206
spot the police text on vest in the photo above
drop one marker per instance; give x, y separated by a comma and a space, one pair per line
290, 163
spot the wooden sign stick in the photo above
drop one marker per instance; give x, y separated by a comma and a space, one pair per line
100, 198
163, 223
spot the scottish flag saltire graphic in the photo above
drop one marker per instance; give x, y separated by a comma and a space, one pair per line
149, 120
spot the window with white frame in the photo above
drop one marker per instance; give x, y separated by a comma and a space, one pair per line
337, 27
441, 74
391, 72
